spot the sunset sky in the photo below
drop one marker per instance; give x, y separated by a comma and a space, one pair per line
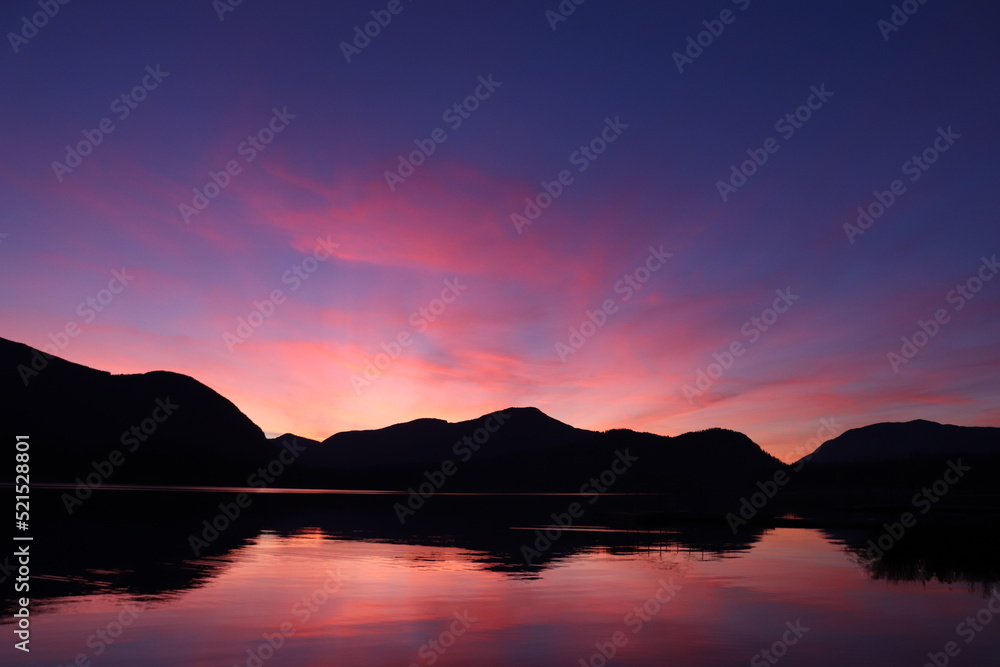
671, 264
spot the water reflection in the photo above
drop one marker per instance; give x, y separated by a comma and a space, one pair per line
140, 543
946, 554
341, 581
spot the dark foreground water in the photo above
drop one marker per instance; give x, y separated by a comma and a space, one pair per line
337, 580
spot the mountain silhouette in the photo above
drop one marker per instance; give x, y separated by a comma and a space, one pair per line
914, 466
505, 432
168, 428
87, 416
715, 461
905, 440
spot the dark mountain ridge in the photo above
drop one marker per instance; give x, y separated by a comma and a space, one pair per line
497, 434
167, 428
906, 440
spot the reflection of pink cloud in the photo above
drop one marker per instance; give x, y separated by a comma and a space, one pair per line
378, 603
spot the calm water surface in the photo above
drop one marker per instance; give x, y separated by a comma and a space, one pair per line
327, 596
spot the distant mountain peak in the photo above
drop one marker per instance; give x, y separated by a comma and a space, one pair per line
905, 440
91, 412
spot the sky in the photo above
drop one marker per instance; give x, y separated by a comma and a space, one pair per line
665, 216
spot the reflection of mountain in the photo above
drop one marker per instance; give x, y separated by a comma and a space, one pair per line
139, 542
121, 542
945, 553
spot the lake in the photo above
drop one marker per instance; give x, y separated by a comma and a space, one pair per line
337, 579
